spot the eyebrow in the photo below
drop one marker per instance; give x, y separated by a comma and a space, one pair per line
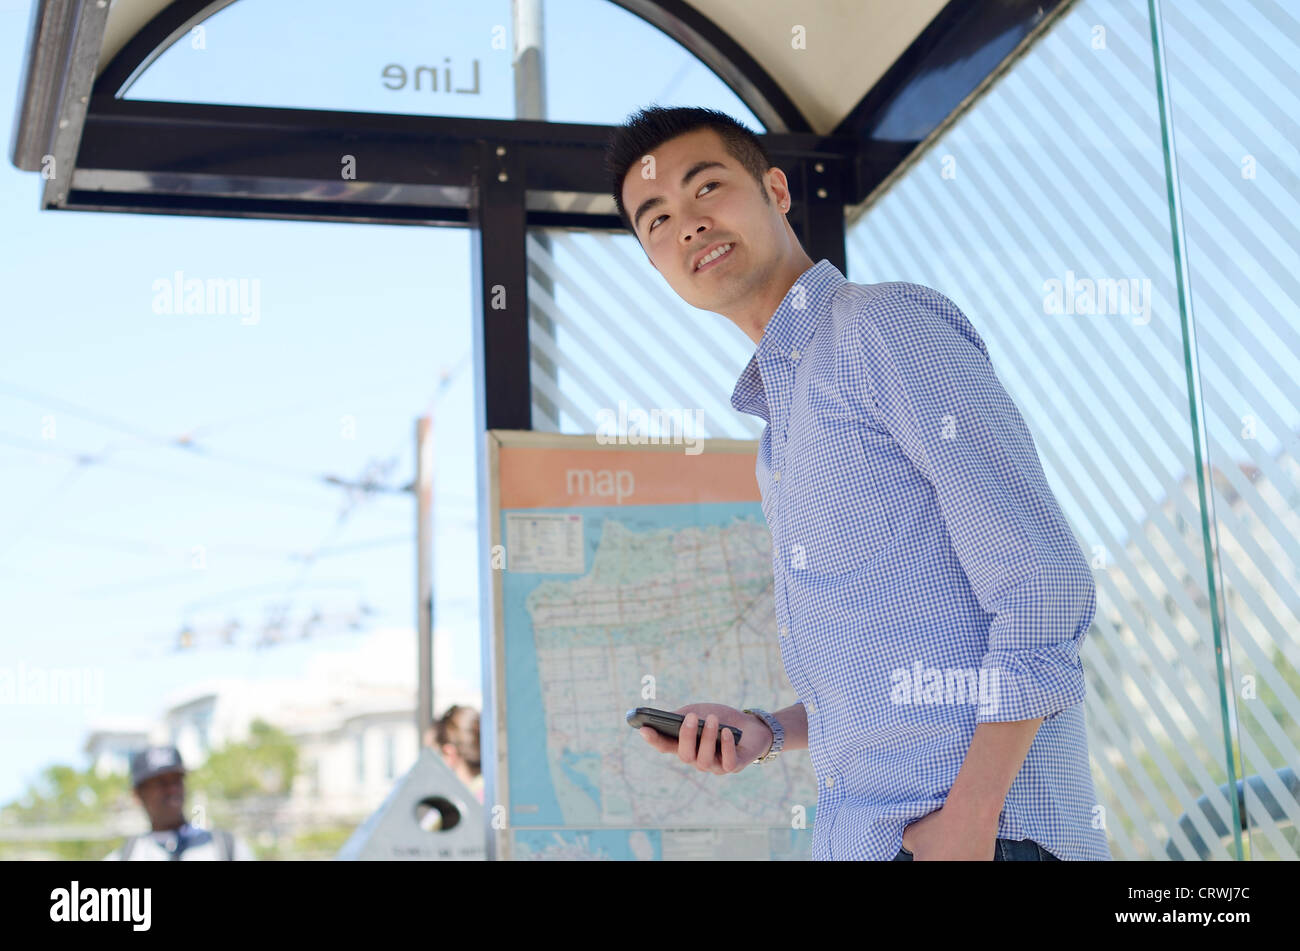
686, 180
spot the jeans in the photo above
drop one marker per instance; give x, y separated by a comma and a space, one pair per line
1008, 850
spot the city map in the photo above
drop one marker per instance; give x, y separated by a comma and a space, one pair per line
611, 607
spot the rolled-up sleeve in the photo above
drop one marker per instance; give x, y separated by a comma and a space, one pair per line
924, 374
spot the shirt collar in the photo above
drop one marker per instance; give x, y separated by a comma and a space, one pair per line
791, 328
184, 830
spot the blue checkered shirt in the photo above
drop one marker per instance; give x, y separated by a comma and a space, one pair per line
925, 579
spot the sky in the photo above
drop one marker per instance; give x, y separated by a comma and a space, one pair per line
113, 534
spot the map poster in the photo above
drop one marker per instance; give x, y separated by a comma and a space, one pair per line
629, 576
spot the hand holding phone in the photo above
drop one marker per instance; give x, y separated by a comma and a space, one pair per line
709, 738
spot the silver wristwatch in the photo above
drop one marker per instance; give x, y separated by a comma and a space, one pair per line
778, 734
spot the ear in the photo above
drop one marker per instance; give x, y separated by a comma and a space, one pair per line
780, 187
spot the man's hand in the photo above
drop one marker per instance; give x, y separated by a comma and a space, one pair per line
755, 738
949, 834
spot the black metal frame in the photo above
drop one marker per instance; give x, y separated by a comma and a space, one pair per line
980, 35
497, 177
194, 158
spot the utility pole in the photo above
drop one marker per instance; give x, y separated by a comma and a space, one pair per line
422, 486
530, 103
424, 571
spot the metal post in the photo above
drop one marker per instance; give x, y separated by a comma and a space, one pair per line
530, 103
424, 572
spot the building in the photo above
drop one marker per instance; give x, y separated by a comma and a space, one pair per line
351, 714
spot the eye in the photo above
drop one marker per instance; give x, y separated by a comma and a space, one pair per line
697, 195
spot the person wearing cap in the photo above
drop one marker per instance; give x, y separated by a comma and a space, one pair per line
158, 776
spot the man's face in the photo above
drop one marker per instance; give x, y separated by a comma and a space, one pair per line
163, 798
720, 203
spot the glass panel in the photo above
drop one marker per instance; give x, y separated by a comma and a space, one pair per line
1233, 87
609, 336
431, 58
205, 441
1041, 213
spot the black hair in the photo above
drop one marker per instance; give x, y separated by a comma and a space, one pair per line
647, 129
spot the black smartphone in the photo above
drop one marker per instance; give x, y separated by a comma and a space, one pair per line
670, 724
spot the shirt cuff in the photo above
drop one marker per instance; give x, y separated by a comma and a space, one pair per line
1025, 684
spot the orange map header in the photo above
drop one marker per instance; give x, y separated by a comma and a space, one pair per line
562, 478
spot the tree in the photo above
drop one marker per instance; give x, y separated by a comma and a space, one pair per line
263, 766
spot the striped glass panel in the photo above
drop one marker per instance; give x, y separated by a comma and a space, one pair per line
608, 335
1234, 92
1041, 211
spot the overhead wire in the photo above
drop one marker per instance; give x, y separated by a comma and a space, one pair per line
186, 442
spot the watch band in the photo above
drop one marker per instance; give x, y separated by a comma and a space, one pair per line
778, 734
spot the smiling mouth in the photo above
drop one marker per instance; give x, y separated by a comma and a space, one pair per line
714, 260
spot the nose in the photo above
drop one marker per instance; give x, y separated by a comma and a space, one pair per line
693, 239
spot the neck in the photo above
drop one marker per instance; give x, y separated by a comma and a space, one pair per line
168, 827
762, 306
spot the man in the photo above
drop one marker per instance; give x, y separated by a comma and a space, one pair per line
159, 779
930, 596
